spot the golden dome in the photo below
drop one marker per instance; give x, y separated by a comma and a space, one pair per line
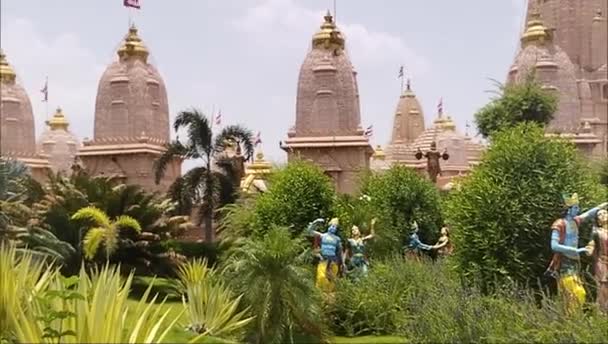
6, 71
329, 36
58, 121
535, 30
379, 153
133, 46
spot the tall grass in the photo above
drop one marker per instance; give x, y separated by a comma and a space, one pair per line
426, 302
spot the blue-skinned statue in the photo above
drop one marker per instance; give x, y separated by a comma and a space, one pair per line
565, 264
331, 263
415, 246
355, 251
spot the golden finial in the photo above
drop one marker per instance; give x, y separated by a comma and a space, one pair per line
379, 153
535, 28
133, 45
6, 71
329, 36
58, 121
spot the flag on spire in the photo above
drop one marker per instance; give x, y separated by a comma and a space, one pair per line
218, 118
258, 139
400, 72
369, 132
45, 90
440, 107
132, 3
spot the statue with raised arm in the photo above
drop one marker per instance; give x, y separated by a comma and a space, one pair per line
565, 263
355, 250
598, 249
444, 245
331, 263
415, 246
432, 160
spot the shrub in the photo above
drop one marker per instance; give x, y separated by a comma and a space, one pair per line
525, 102
501, 214
398, 197
297, 195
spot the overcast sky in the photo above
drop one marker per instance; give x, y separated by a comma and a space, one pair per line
243, 56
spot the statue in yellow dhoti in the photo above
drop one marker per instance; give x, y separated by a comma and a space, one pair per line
331, 264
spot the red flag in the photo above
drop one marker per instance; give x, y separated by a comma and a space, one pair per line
440, 106
45, 91
369, 132
218, 118
132, 3
258, 139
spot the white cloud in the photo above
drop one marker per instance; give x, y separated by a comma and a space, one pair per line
73, 72
285, 23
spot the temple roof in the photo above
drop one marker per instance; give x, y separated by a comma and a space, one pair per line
58, 144
408, 121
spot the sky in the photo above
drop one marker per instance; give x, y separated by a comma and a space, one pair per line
244, 56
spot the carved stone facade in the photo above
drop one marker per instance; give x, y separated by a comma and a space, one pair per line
566, 44
131, 120
328, 120
17, 129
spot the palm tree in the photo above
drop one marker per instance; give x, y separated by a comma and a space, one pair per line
272, 275
103, 230
203, 186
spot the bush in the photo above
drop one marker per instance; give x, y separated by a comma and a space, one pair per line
398, 197
297, 195
526, 102
501, 214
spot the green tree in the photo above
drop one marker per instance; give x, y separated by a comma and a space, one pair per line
398, 197
298, 194
516, 103
103, 230
275, 282
501, 214
203, 186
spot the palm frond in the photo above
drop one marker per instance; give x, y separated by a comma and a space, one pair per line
198, 128
239, 134
127, 222
92, 241
97, 216
173, 150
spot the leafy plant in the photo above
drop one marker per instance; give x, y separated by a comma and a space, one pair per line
501, 214
92, 310
297, 195
210, 305
516, 103
398, 197
203, 187
271, 274
103, 231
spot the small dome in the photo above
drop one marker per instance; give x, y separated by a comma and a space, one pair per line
131, 104
408, 123
329, 36
59, 144
379, 153
17, 121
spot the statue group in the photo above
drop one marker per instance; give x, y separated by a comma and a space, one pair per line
565, 263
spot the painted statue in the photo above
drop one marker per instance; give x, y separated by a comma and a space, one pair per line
444, 246
415, 246
331, 263
355, 250
598, 249
564, 265
432, 160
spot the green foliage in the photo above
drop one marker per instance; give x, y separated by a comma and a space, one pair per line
271, 274
525, 102
297, 195
427, 302
66, 309
210, 305
502, 213
398, 197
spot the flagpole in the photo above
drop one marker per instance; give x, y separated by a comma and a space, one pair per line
335, 13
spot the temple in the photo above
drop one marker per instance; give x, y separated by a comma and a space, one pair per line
565, 44
17, 129
58, 144
410, 135
328, 128
131, 120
